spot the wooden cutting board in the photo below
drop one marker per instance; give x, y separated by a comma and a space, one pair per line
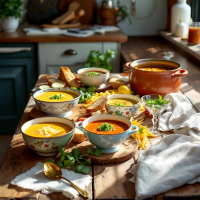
89, 6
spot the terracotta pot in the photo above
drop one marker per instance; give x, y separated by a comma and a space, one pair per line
149, 82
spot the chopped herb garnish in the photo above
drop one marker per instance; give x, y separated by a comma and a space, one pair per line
141, 130
57, 97
119, 104
93, 74
106, 127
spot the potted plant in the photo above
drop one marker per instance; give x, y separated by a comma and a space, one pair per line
97, 59
10, 12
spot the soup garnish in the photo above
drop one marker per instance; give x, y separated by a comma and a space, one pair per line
93, 73
156, 103
106, 127
48, 129
122, 102
153, 69
99, 127
56, 96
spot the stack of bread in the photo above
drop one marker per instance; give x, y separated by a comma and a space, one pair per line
66, 77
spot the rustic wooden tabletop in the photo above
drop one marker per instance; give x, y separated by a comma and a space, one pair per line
109, 181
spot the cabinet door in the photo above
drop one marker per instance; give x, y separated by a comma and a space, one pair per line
15, 86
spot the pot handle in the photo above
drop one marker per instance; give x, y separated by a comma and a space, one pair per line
127, 66
179, 74
132, 131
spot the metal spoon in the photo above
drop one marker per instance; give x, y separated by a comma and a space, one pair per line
52, 171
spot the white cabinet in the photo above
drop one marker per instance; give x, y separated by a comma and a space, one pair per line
54, 55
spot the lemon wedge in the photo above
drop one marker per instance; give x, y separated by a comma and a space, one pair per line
124, 89
57, 85
43, 87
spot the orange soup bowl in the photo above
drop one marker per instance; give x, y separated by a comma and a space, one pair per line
105, 141
155, 82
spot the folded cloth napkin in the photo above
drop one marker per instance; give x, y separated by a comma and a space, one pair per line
175, 160
36, 180
44, 31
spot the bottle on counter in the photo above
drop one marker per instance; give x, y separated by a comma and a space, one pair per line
181, 10
181, 29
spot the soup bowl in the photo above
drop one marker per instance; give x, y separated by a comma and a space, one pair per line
93, 80
57, 109
155, 82
48, 146
124, 111
107, 143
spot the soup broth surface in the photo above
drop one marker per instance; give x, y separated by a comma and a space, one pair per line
119, 127
93, 73
51, 129
153, 69
49, 95
122, 102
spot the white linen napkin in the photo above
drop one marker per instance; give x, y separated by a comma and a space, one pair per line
36, 180
175, 160
44, 31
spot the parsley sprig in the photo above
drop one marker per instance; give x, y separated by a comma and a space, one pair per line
106, 127
69, 159
157, 103
85, 94
57, 97
93, 74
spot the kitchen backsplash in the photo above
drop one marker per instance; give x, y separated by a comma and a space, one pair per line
150, 16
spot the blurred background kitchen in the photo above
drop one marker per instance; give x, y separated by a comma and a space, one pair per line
54, 33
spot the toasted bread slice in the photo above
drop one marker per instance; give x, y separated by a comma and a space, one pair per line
97, 105
67, 76
79, 136
116, 82
51, 80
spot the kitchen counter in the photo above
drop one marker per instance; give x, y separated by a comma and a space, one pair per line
20, 37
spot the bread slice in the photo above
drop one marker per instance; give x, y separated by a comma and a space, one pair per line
116, 82
67, 76
79, 136
51, 80
97, 105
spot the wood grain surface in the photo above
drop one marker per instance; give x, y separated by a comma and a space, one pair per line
19, 36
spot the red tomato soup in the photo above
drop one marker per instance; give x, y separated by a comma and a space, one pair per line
118, 127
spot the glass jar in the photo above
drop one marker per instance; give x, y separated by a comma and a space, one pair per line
194, 33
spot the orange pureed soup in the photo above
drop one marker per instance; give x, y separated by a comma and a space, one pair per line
118, 127
153, 69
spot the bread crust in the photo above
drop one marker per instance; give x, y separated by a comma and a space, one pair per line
79, 136
116, 82
67, 76
99, 106
51, 80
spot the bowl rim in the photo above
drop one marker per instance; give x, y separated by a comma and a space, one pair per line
47, 122
56, 89
108, 119
90, 68
154, 59
123, 106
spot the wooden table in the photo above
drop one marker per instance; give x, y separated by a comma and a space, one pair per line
109, 181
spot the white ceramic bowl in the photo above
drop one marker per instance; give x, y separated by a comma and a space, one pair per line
48, 146
93, 80
57, 109
124, 111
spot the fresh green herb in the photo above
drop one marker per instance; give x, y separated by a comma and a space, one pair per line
82, 169
119, 104
96, 152
57, 97
10, 8
97, 59
106, 127
69, 159
141, 130
50, 160
159, 101
85, 94
122, 12
93, 74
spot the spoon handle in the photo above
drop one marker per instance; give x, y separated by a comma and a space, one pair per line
81, 192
